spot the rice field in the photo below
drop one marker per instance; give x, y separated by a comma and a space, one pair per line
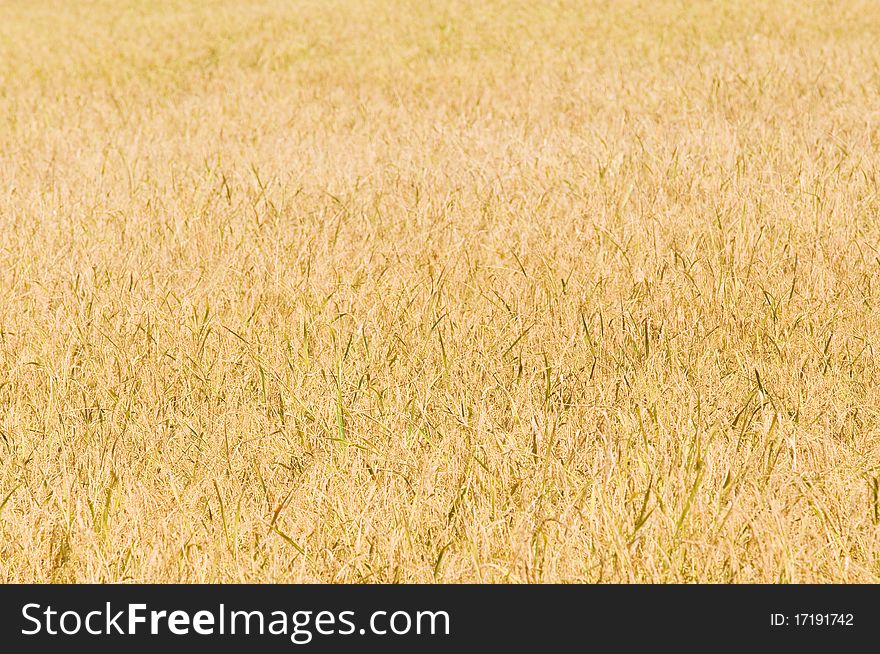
439, 291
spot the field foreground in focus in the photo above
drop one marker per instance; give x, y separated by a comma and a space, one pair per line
403, 291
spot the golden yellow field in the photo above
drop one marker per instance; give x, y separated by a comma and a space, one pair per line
416, 291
